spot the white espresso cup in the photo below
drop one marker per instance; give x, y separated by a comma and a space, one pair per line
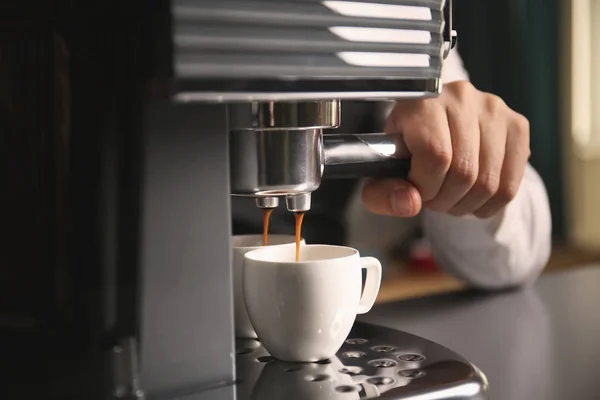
241, 245
303, 311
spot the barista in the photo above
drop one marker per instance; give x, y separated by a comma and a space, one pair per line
482, 207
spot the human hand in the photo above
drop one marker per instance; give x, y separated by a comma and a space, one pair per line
469, 153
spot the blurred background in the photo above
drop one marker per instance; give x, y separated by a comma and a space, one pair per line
540, 57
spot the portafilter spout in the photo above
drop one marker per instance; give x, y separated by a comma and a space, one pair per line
276, 149
266, 164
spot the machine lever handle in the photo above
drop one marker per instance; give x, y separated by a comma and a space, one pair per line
367, 155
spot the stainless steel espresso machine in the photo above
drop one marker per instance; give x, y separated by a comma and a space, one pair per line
129, 125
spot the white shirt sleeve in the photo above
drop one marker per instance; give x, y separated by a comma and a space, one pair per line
507, 250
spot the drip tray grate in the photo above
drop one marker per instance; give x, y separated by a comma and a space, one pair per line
373, 363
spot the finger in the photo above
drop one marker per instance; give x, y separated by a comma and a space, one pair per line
391, 197
491, 158
424, 127
464, 168
515, 161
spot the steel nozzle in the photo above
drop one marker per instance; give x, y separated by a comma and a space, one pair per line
298, 202
267, 202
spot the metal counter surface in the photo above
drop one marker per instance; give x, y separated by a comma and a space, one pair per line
538, 342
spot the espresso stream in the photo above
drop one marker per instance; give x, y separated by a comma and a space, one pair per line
299, 218
266, 216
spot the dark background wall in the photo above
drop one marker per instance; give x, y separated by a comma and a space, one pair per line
510, 48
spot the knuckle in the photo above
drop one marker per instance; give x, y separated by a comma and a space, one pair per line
463, 89
521, 135
507, 192
465, 170
440, 155
494, 104
522, 124
487, 184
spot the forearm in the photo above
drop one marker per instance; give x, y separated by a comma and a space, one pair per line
507, 250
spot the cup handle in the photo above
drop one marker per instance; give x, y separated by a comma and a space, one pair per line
372, 283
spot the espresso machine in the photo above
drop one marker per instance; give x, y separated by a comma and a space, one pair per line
128, 126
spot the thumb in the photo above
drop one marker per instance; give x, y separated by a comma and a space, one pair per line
391, 197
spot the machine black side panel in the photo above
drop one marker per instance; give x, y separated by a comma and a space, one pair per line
186, 326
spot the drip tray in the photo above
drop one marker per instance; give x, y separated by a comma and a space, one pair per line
373, 363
